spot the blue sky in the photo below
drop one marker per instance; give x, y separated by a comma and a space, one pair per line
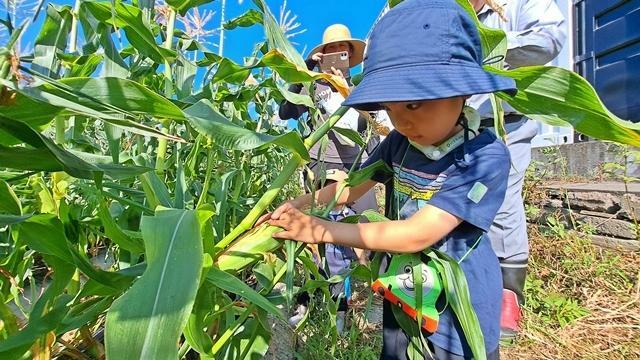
314, 16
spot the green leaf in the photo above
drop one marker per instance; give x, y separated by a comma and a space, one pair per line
457, 293
9, 202
494, 41
185, 73
182, 6
207, 121
559, 97
351, 135
155, 189
232, 284
129, 18
98, 34
56, 244
123, 98
51, 39
276, 38
294, 98
115, 234
81, 66
146, 322
250, 343
69, 162
360, 176
415, 350
230, 72
12, 219
18, 344
247, 19
34, 113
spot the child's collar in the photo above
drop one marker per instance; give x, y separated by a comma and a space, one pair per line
438, 152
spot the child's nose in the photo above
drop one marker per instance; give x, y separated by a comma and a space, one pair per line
403, 125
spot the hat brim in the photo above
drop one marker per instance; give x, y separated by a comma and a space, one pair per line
358, 50
425, 82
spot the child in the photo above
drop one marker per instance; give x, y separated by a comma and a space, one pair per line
424, 60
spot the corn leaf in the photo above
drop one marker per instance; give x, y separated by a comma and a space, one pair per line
458, 298
12, 219
182, 6
207, 121
31, 231
16, 345
69, 162
9, 202
232, 284
250, 18
560, 97
276, 38
51, 39
85, 102
146, 322
115, 234
129, 18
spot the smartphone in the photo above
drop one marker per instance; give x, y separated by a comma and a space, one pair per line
339, 60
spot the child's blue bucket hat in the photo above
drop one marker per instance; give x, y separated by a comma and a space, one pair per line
424, 50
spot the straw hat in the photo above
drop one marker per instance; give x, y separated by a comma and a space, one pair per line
337, 33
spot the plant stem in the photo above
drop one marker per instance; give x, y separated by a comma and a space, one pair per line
207, 178
73, 41
61, 125
168, 44
168, 92
282, 179
184, 349
221, 42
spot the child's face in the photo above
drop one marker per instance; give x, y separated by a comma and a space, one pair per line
427, 122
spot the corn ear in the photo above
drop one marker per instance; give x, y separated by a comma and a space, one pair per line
249, 248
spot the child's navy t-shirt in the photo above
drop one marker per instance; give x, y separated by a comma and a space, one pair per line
470, 187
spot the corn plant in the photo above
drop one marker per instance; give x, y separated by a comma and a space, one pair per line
131, 176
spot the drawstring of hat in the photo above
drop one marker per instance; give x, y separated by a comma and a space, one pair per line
462, 121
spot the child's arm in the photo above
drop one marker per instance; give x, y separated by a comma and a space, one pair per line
423, 229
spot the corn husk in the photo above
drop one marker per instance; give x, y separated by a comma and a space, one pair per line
249, 248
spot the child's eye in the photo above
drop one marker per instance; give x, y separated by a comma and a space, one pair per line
413, 106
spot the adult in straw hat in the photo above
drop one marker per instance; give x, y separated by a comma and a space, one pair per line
336, 38
338, 152
335, 155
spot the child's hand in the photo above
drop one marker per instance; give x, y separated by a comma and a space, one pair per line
277, 212
297, 225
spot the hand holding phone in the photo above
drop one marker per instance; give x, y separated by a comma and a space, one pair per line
338, 61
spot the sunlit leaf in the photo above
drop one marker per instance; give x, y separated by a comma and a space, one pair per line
129, 18
204, 118
560, 97
182, 6
250, 18
146, 322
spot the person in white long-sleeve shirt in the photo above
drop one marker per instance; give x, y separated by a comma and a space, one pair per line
536, 31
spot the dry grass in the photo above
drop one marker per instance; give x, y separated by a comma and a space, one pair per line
600, 303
